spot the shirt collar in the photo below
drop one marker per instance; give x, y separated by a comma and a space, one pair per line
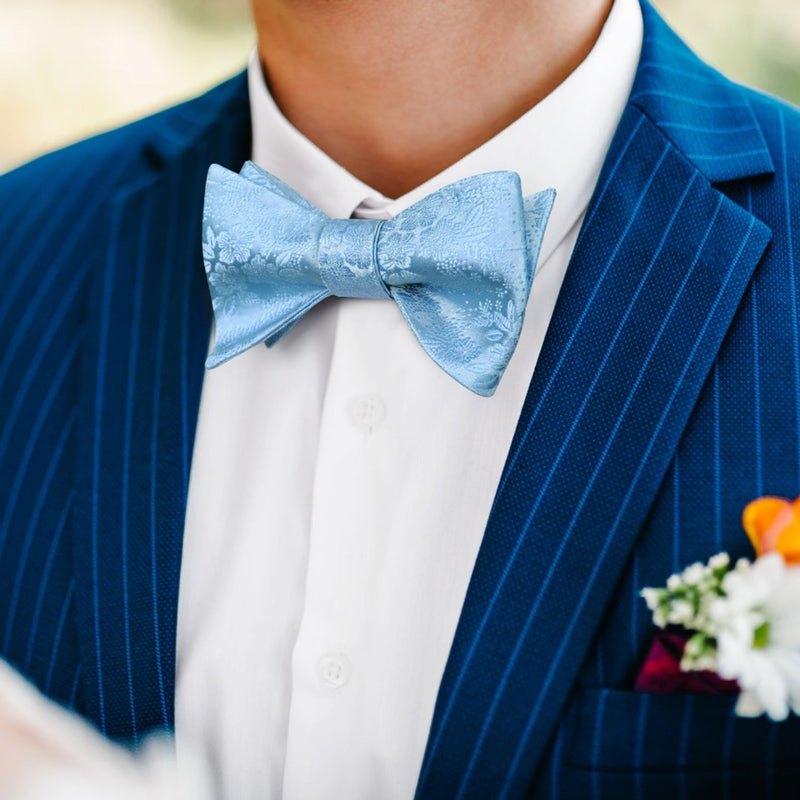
560, 142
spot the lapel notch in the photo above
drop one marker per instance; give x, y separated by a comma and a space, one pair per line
707, 117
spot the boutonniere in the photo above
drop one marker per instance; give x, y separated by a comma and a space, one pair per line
741, 622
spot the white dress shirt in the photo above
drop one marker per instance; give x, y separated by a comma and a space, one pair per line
341, 482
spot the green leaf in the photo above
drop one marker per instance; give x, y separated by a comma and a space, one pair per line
761, 636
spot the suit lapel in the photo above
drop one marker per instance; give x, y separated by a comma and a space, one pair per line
658, 272
148, 328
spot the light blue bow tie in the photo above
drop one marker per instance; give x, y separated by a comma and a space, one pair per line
458, 263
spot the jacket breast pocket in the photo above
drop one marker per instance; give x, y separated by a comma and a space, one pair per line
631, 744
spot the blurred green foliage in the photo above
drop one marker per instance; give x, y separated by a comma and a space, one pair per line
756, 42
220, 14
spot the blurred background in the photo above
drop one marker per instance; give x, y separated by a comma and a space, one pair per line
69, 68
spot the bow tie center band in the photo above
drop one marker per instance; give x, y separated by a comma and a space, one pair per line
459, 264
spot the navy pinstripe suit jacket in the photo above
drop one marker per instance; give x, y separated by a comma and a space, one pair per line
666, 397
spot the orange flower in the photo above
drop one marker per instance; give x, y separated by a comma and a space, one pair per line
773, 525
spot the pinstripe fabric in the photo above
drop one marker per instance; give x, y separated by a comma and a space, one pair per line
40, 314
667, 395
106, 323
628, 350
151, 328
650, 354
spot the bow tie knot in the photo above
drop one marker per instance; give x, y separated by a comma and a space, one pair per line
347, 258
458, 263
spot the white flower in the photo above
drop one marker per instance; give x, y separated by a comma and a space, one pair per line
758, 635
719, 561
693, 574
660, 618
680, 613
674, 583
652, 597
707, 663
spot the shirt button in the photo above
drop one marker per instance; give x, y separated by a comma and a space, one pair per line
367, 411
334, 670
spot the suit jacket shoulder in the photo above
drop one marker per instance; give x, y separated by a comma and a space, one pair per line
62, 190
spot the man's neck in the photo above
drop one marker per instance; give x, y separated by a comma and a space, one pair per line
397, 91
